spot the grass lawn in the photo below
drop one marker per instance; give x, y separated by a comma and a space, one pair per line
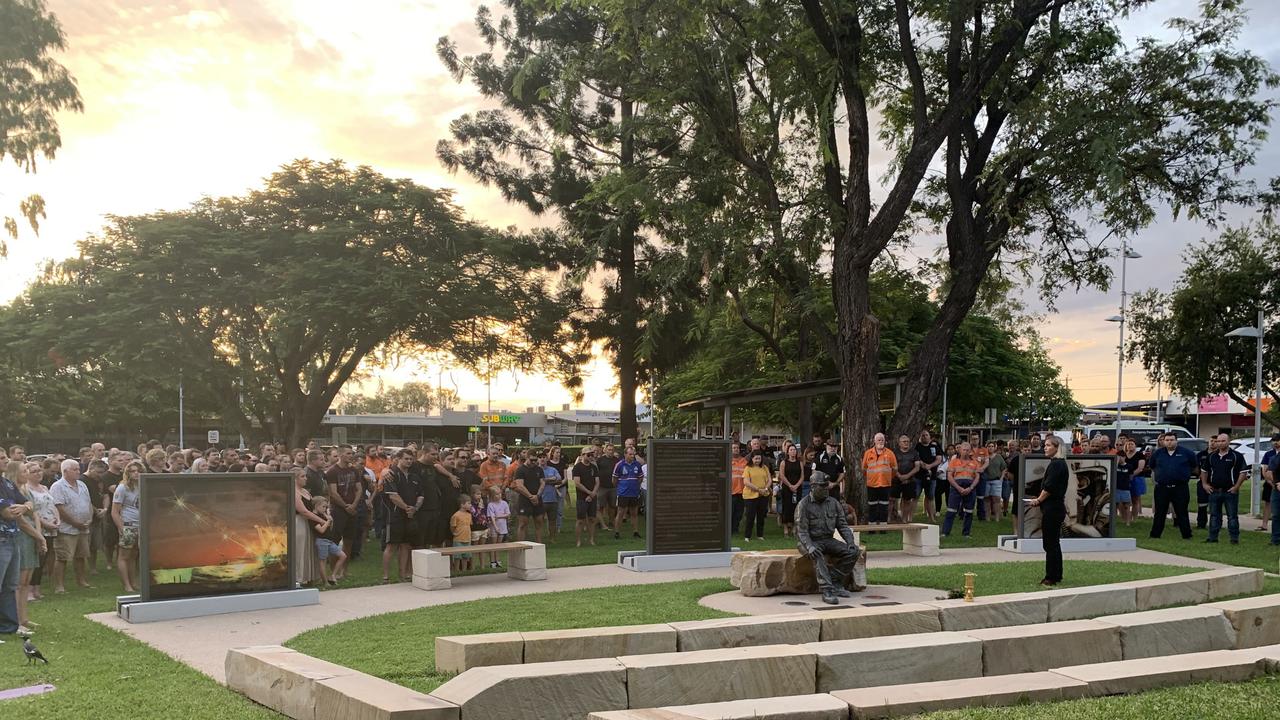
387, 647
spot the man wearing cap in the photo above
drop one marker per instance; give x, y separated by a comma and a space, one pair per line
818, 517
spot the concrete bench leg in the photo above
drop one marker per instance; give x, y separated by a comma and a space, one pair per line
922, 541
431, 570
528, 564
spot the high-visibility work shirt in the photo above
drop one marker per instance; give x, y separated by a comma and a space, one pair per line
739, 466
879, 466
964, 471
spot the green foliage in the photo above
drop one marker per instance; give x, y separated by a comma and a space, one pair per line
271, 301
1179, 336
412, 397
34, 87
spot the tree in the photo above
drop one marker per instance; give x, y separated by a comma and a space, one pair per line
412, 397
1179, 336
33, 89
565, 141
270, 302
785, 95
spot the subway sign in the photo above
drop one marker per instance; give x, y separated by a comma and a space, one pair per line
500, 419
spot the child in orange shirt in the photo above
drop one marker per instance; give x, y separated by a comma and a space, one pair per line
460, 526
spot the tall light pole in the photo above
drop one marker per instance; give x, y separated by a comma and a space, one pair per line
182, 434
1126, 254
1255, 474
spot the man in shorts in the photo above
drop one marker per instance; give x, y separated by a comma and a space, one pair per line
403, 490
345, 481
607, 499
529, 478
627, 476
75, 511
585, 477
993, 479
906, 485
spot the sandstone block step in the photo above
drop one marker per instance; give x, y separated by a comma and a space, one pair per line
864, 622
1227, 582
1130, 676
782, 629
1090, 602
598, 642
540, 691
868, 662
364, 697
704, 676
1163, 592
1172, 631
992, 611
1011, 650
891, 701
280, 678
795, 707
458, 653
1256, 620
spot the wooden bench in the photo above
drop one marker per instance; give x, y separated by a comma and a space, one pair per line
917, 538
525, 561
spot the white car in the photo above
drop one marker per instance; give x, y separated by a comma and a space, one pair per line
1245, 448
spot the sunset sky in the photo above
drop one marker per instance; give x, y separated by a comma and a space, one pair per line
205, 97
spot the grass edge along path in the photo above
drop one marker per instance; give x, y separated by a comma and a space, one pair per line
388, 646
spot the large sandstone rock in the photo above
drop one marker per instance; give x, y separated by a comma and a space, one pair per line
705, 676
279, 678
992, 611
1131, 676
865, 622
758, 573
364, 697
892, 701
1010, 650
795, 707
1172, 631
1256, 620
598, 642
783, 629
458, 653
867, 662
539, 691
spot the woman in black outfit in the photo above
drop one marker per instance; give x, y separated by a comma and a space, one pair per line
792, 474
1052, 504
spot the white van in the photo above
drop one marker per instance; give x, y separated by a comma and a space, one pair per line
1145, 434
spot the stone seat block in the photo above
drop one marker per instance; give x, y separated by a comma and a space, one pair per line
705, 676
1228, 582
867, 662
1130, 676
1090, 602
864, 622
1163, 592
992, 611
538, 691
533, 557
1256, 620
279, 678
795, 707
1172, 631
458, 653
518, 573
429, 564
1011, 650
598, 642
900, 700
364, 697
782, 629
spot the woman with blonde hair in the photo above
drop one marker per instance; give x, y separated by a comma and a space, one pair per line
46, 512
306, 558
126, 513
30, 541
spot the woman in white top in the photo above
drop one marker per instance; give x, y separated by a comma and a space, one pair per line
46, 511
126, 513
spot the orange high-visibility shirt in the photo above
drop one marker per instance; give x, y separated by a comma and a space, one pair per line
965, 469
879, 466
739, 468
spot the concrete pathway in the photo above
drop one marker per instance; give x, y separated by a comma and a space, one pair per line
203, 642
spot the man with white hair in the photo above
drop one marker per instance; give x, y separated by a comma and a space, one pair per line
75, 509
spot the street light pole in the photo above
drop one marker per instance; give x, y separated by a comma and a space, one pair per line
1255, 474
1126, 254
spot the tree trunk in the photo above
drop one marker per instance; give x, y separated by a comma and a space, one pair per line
928, 368
859, 364
625, 361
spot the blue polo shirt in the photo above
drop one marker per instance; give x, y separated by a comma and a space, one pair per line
628, 475
1174, 468
9, 496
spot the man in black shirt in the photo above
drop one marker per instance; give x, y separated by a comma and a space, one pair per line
585, 478
1221, 475
832, 465
345, 482
528, 486
607, 498
403, 490
316, 484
